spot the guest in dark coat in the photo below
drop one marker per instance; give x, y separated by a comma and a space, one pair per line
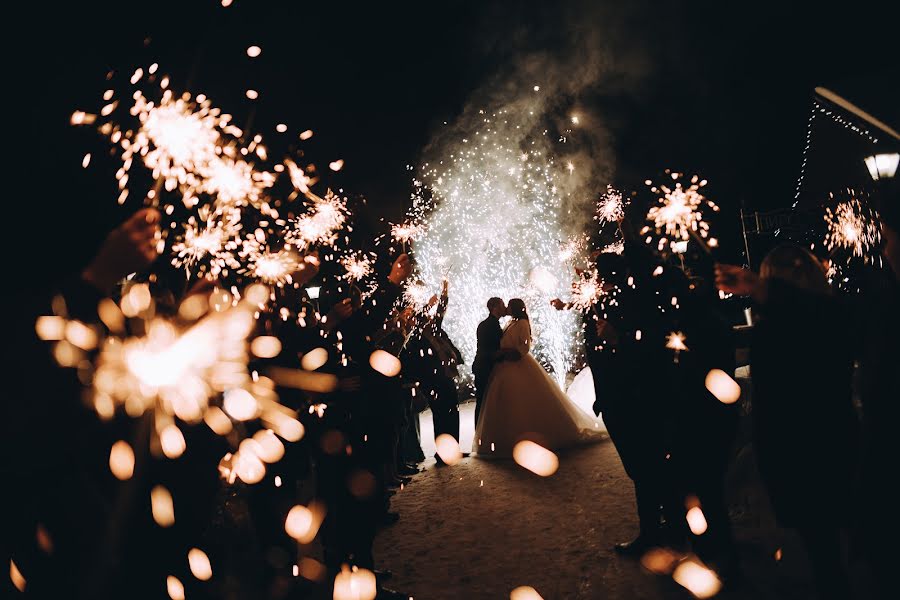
805, 427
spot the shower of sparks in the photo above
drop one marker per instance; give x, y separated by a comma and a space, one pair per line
406, 232
610, 206
491, 203
357, 267
678, 214
573, 250
213, 241
587, 291
417, 295
617, 247
321, 224
177, 139
274, 267
235, 182
853, 227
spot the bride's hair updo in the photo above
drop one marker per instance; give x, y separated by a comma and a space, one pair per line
516, 308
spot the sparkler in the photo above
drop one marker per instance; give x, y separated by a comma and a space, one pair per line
675, 341
321, 224
417, 295
610, 206
587, 291
214, 242
679, 213
406, 232
271, 267
573, 249
358, 266
853, 227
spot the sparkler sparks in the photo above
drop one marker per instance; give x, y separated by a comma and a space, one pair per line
271, 267
610, 206
587, 291
853, 227
213, 243
406, 232
358, 266
417, 295
321, 224
679, 212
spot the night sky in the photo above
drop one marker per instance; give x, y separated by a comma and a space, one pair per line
718, 88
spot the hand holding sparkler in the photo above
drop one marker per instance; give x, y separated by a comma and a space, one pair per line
400, 270
130, 247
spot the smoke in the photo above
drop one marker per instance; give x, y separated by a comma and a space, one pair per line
518, 172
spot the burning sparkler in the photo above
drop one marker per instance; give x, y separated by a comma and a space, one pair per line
406, 232
587, 291
321, 224
610, 206
358, 266
679, 213
853, 227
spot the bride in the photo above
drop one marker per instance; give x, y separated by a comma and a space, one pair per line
523, 402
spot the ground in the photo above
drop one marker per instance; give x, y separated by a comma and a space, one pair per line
480, 528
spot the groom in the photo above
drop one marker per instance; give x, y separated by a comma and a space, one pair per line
488, 352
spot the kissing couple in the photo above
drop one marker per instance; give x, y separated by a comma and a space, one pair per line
515, 398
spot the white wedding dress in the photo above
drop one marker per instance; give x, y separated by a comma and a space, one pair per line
523, 402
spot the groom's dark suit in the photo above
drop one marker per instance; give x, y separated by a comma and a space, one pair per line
489, 334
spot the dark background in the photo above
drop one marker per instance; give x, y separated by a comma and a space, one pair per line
724, 89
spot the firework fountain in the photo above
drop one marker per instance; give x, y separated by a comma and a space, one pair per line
493, 203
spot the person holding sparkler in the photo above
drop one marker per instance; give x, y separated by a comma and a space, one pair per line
433, 362
353, 483
805, 428
633, 372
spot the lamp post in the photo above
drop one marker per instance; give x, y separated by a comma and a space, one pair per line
882, 166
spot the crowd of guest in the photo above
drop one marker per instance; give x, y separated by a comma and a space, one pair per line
78, 532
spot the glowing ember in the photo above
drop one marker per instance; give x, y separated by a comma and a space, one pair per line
355, 584
199, 563
314, 359
525, 592
385, 363
121, 460
175, 588
448, 449
16, 576
697, 578
722, 386
696, 520
535, 458
162, 507
303, 523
